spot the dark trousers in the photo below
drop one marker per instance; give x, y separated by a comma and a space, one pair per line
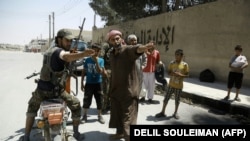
90, 91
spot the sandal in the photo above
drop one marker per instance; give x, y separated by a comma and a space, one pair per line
159, 115
237, 99
226, 98
176, 116
78, 136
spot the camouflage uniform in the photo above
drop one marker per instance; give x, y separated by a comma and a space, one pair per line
39, 95
106, 85
106, 78
53, 80
57, 79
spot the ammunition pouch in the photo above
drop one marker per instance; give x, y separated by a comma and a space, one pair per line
57, 91
63, 79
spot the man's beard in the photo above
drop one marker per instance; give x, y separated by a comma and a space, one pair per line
116, 45
64, 48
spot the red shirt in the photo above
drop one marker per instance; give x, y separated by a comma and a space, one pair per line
152, 60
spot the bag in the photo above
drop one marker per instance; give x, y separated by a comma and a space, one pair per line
143, 92
207, 76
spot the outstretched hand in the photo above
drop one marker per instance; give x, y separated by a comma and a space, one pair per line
89, 52
145, 47
150, 45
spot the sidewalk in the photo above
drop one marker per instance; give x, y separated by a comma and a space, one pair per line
202, 93
212, 94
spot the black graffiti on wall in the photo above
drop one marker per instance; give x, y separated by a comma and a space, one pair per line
161, 36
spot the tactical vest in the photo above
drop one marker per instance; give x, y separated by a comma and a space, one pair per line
47, 74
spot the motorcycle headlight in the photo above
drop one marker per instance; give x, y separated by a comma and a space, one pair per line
40, 124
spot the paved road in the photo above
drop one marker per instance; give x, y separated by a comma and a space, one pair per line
16, 91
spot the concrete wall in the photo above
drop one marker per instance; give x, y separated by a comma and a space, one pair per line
207, 33
85, 36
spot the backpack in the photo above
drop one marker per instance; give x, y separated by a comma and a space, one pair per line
207, 76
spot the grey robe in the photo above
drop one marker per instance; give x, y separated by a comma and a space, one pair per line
124, 89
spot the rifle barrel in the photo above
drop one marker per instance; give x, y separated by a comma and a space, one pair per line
33, 74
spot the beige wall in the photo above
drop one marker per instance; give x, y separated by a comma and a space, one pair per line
207, 33
85, 36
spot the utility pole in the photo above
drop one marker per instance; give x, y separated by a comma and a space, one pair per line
49, 29
94, 27
53, 22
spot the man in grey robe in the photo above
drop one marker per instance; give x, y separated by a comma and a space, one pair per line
125, 84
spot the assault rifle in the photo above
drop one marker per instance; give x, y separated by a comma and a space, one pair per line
73, 65
79, 36
32, 75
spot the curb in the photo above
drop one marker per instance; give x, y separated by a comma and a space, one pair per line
230, 107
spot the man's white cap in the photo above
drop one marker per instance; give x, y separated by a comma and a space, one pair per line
132, 36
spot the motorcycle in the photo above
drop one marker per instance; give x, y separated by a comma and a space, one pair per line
52, 119
53, 113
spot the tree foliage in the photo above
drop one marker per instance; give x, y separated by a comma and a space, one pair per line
117, 11
102, 8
